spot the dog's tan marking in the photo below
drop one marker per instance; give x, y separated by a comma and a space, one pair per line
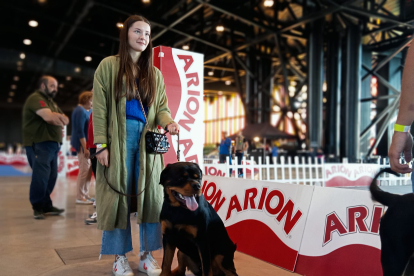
218, 260
186, 190
192, 230
195, 175
185, 174
173, 201
165, 224
169, 251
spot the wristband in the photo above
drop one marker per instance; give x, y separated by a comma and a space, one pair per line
401, 128
99, 146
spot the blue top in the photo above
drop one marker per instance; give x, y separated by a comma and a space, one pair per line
225, 146
80, 122
274, 151
133, 109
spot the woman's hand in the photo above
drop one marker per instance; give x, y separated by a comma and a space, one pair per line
173, 128
103, 158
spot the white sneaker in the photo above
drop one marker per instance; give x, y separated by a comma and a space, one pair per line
149, 266
121, 267
84, 202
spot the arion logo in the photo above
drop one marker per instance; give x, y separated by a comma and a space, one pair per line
356, 222
256, 199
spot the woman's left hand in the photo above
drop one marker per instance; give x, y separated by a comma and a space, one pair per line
173, 128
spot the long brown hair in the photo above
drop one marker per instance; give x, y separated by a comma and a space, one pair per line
144, 67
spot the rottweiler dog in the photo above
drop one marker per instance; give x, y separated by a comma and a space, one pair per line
396, 230
190, 223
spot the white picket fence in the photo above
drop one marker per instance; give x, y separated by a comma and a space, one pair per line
305, 171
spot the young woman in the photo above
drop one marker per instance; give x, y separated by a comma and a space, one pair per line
119, 125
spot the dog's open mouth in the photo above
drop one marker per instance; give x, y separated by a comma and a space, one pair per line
187, 201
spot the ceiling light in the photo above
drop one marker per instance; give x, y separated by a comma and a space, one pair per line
276, 108
220, 28
68, 78
41, 1
16, 78
19, 68
256, 139
61, 85
11, 94
119, 25
227, 82
297, 116
9, 100
290, 114
13, 86
211, 73
304, 104
303, 115
33, 23
304, 96
324, 100
22, 56
19, 63
186, 47
146, 1
268, 3
324, 86
27, 42
293, 83
220, 93
88, 58
77, 69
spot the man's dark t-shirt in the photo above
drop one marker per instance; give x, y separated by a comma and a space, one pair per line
35, 129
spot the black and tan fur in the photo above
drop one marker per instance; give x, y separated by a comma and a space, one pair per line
200, 236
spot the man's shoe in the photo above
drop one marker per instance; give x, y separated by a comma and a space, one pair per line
39, 215
149, 266
91, 199
84, 202
121, 267
53, 211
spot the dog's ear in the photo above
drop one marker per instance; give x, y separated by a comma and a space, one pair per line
164, 174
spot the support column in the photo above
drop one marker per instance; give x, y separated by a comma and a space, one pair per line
391, 72
351, 94
333, 107
315, 94
364, 145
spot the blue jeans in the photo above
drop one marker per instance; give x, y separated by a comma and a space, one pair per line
222, 159
239, 154
42, 158
119, 241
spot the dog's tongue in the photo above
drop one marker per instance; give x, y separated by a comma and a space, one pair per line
191, 203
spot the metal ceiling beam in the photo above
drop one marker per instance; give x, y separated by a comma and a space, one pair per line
55, 20
89, 4
370, 14
224, 49
187, 14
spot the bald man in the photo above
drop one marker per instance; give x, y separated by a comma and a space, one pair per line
42, 136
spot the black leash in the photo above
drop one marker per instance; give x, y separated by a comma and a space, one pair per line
153, 163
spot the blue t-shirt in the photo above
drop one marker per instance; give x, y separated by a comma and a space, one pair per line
133, 109
80, 122
274, 151
225, 146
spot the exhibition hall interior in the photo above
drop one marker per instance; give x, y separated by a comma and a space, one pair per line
206, 137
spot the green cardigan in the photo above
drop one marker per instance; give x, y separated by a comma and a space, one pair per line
109, 127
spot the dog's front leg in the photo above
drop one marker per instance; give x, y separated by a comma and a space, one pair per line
169, 250
204, 251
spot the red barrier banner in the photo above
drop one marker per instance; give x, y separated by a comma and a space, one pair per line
341, 237
265, 219
348, 175
183, 73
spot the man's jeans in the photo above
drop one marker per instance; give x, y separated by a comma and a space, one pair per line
222, 158
239, 154
119, 241
42, 158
